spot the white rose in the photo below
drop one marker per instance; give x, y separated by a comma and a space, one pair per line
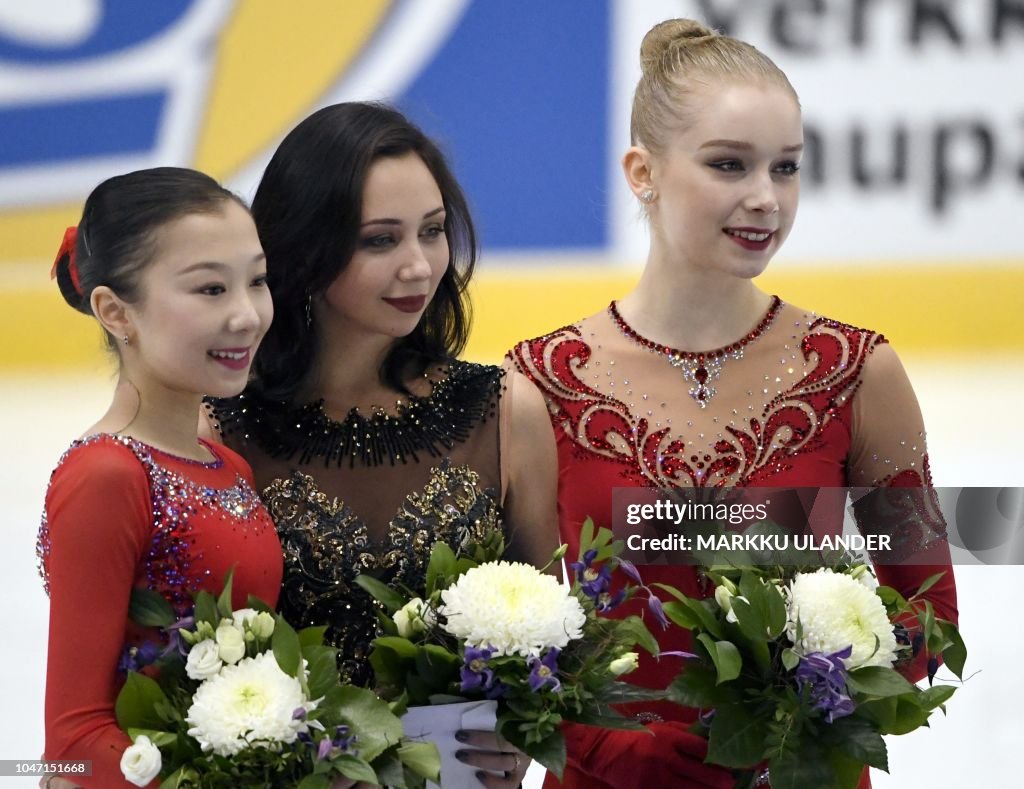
203, 661
141, 761
624, 664
241, 616
230, 643
413, 618
263, 625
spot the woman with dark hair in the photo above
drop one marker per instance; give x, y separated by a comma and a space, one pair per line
368, 437
171, 266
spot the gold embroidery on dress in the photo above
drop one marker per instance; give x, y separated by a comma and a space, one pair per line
326, 545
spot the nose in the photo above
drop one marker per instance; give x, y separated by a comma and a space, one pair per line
244, 317
762, 198
415, 266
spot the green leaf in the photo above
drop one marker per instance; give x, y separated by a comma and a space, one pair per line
224, 601
285, 643
790, 659
800, 766
440, 566
935, 696
632, 630
857, 738
697, 687
550, 751
136, 703
183, 776
159, 738
586, 537
422, 758
737, 738
206, 609
847, 770
724, 655
377, 728
312, 782
323, 669
256, 604
402, 647
150, 609
354, 768
909, 717
312, 636
681, 615
878, 681
928, 583
381, 592
954, 655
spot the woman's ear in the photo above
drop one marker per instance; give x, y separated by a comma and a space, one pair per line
111, 311
636, 164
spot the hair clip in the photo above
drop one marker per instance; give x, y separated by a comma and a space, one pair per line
67, 247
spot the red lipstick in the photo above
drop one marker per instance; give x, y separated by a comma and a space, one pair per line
407, 303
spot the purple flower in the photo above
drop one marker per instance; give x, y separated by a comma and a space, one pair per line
134, 658
593, 581
657, 610
299, 714
630, 569
825, 676
706, 716
475, 673
325, 749
544, 671
606, 601
175, 643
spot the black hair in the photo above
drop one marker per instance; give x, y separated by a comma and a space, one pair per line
308, 211
115, 239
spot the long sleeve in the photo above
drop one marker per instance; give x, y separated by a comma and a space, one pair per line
98, 519
888, 451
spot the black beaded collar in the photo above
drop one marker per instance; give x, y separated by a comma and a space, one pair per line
431, 424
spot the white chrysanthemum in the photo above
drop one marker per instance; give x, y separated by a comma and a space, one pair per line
512, 607
250, 702
837, 611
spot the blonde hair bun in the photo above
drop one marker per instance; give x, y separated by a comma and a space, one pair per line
666, 38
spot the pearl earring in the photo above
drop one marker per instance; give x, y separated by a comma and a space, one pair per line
647, 195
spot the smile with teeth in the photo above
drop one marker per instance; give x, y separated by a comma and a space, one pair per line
235, 356
749, 235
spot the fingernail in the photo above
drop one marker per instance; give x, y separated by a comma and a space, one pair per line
461, 755
462, 735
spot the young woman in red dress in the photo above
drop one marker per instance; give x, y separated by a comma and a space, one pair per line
171, 266
697, 378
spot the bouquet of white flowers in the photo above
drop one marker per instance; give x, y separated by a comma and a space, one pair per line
240, 699
796, 670
490, 629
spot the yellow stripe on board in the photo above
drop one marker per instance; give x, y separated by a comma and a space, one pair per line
941, 309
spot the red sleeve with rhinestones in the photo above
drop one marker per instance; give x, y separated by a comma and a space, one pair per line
98, 520
888, 450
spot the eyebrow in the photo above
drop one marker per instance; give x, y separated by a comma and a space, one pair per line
438, 210
746, 146
216, 265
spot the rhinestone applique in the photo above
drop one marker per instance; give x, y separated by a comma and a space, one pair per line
699, 368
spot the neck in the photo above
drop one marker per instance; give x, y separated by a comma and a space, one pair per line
153, 413
346, 373
692, 310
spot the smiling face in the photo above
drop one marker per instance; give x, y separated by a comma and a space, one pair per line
401, 254
727, 185
204, 304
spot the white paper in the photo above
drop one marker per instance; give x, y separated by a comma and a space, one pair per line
438, 724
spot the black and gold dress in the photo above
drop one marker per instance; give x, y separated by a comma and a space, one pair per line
370, 494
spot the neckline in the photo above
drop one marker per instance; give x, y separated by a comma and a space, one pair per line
217, 461
429, 424
763, 325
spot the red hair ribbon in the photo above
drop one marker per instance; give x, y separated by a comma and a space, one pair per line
67, 247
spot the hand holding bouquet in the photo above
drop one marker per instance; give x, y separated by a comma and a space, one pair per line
492, 629
241, 699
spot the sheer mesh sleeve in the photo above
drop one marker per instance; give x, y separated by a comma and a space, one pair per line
888, 455
97, 522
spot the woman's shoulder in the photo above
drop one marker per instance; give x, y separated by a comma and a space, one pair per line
104, 455
811, 324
